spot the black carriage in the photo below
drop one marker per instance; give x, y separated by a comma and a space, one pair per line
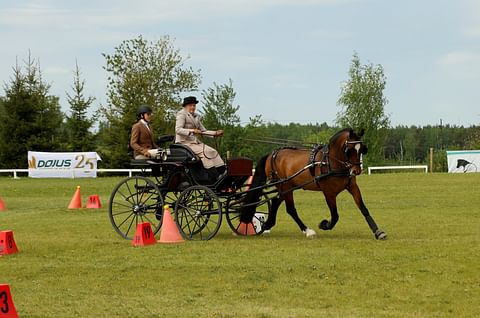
197, 201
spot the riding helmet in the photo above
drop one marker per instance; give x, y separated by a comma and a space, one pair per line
144, 109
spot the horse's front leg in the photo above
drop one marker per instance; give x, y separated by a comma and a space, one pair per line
357, 196
332, 206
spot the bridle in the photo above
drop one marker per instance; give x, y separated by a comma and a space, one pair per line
357, 146
347, 163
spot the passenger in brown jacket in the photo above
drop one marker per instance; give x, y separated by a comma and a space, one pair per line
141, 139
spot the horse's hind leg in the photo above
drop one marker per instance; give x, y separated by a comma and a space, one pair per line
357, 196
292, 211
272, 215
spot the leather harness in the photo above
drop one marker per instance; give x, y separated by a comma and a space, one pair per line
324, 161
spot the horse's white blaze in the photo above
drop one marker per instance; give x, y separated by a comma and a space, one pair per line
310, 233
357, 147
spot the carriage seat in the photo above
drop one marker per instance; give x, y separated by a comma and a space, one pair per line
180, 153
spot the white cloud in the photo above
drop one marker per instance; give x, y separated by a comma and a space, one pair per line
330, 34
472, 19
461, 64
118, 13
58, 70
241, 62
459, 59
287, 82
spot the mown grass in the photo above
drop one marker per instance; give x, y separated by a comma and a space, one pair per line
73, 264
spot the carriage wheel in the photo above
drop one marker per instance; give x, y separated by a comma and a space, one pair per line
135, 200
255, 227
198, 213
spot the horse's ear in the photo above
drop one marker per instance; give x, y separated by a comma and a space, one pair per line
364, 149
351, 133
361, 133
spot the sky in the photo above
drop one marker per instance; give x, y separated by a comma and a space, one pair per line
287, 59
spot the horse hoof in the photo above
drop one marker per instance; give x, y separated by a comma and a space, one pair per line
324, 225
380, 235
309, 233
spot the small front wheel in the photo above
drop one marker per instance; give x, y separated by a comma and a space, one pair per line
236, 204
135, 200
198, 213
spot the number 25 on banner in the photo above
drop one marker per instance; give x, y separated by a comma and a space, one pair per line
83, 161
7, 309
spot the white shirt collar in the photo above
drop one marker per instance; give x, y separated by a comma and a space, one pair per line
145, 123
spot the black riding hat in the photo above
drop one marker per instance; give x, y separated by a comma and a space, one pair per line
189, 100
144, 109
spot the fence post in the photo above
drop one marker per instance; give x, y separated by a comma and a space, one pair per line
431, 160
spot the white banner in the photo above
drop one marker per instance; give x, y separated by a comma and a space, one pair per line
62, 164
462, 161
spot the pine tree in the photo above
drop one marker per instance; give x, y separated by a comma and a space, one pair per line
31, 119
78, 125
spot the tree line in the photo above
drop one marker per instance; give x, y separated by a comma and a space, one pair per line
154, 73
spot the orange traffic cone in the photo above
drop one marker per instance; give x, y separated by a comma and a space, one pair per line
144, 235
170, 232
7, 243
7, 308
76, 202
93, 202
3, 206
246, 229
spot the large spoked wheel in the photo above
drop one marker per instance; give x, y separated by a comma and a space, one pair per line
135, 200
198, 213
255, 226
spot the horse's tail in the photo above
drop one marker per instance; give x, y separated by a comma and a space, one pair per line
260, 177
253, 195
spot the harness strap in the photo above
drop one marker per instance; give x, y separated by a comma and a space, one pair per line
273, 170
313, 154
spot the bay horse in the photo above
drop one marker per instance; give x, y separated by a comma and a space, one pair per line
329, 168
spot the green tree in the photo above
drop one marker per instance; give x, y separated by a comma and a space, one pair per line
78, 125
363, 105
141, 72
251, 145
472, 140
219, 112
30, 118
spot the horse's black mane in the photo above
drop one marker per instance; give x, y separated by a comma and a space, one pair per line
334, 138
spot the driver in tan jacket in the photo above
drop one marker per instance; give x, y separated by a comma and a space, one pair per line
188, 126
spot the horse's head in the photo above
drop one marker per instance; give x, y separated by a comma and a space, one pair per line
350, 149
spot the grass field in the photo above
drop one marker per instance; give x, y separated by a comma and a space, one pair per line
73, 264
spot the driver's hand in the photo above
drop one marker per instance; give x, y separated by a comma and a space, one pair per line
219, 132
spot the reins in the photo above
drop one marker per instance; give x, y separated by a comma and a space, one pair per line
216, 147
